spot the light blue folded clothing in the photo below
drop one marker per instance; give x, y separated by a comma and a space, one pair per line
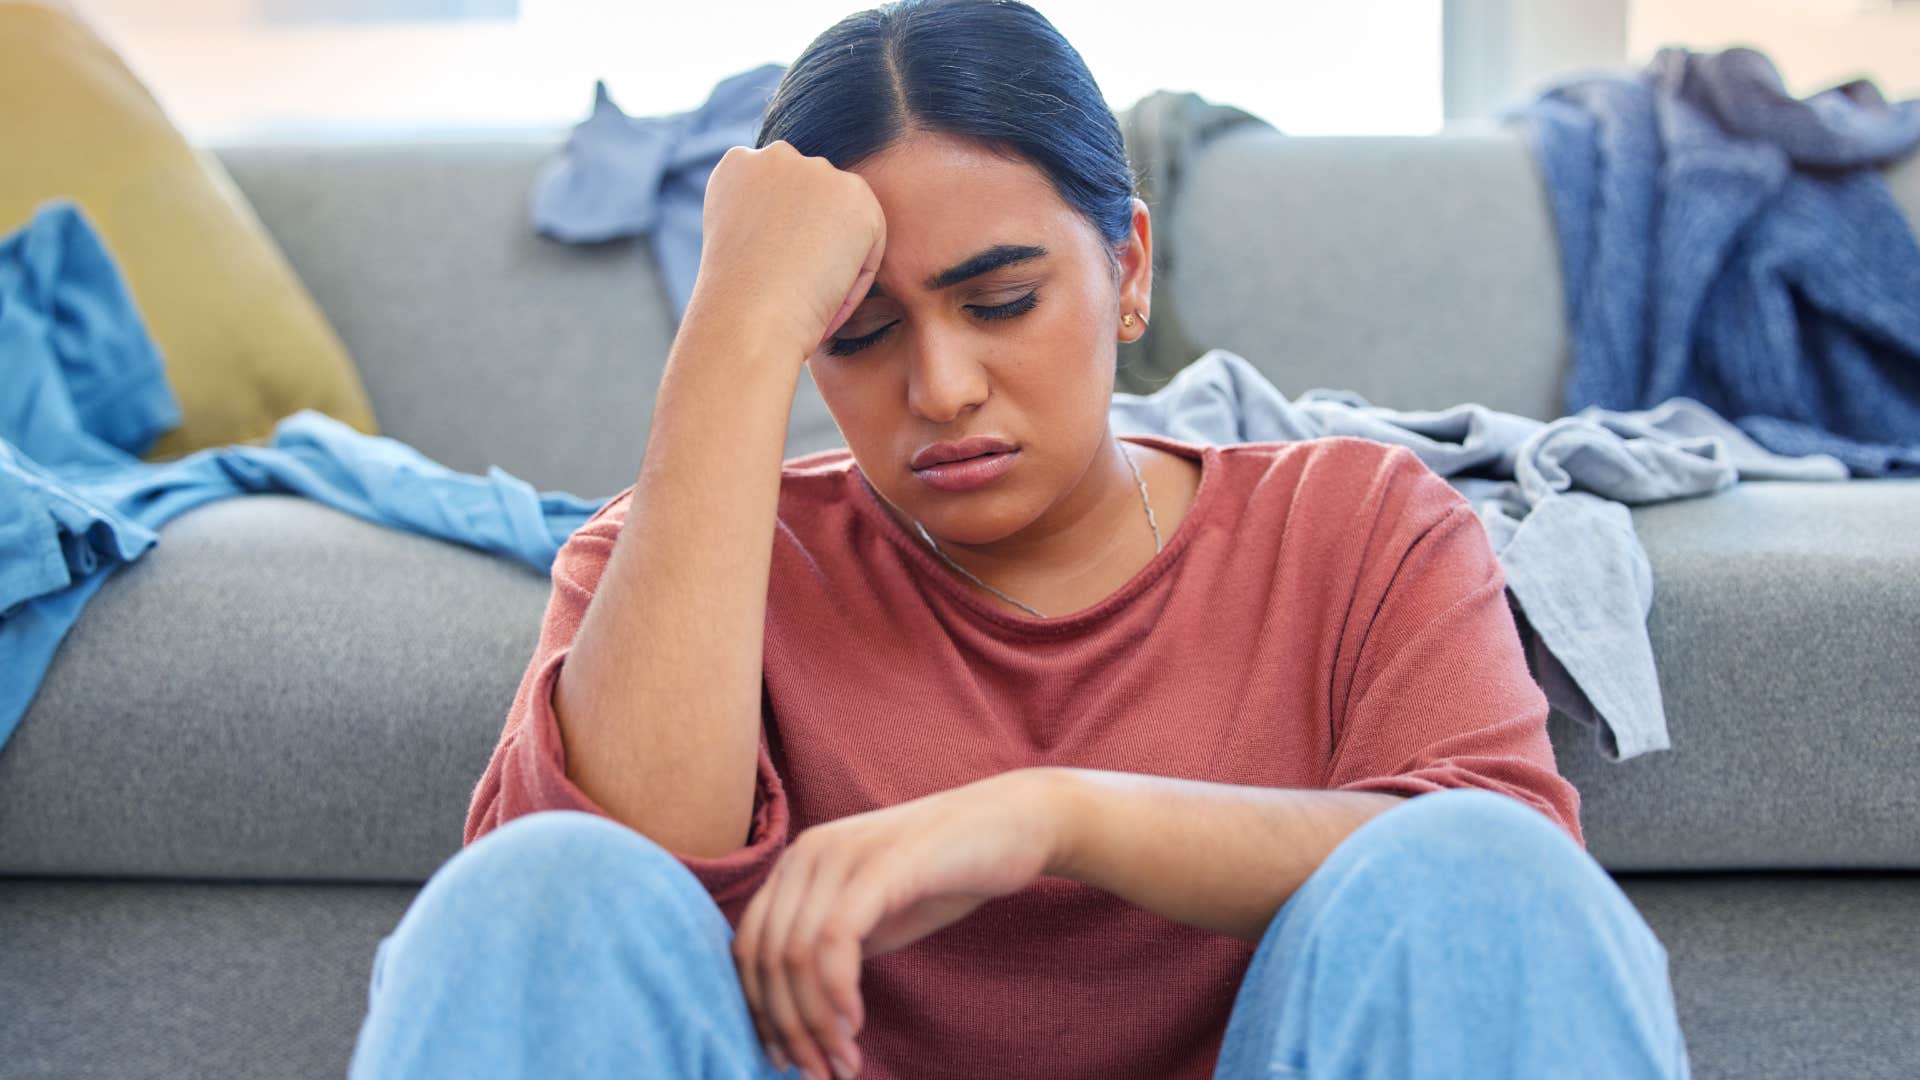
84, 394
621, 175
1553, 497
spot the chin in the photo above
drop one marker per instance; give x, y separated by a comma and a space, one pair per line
974, 522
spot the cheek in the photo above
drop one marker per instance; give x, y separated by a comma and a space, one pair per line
1068, 359
864, 404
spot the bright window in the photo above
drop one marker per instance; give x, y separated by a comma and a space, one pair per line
256, 69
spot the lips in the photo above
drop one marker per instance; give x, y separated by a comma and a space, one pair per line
968, 474
942, 452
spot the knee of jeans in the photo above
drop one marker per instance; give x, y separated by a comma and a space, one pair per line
1511, 853
538, 859
1473, 832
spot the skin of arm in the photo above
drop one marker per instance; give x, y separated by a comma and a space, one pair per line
1222, 857
659, 699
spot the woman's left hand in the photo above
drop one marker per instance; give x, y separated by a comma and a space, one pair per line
869, 883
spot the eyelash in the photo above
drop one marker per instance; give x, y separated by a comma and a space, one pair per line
848, 346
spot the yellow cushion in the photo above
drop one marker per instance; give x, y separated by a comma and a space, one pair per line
244, 342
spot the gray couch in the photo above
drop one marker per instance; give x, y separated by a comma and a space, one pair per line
260, 739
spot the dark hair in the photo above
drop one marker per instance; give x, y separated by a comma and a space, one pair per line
994, 71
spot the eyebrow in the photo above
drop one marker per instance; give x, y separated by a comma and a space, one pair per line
973, 266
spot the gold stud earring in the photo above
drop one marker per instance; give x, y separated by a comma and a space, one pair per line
1127, 320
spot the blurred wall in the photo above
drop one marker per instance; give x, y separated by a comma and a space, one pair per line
1814, 43
1502, 52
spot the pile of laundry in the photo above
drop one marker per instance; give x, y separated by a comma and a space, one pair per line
85, 395
1722, 240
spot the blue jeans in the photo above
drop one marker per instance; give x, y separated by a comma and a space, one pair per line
1460, 933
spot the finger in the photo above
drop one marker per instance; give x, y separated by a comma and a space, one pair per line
820, 998
780, 963
869, 269
855, 297
746, 945
746, 952
862, 904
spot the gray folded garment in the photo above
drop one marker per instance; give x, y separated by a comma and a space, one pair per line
1552, 495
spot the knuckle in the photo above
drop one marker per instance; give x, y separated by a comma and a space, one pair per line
791, 1032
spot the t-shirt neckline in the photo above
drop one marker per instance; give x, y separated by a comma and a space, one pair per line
931, 566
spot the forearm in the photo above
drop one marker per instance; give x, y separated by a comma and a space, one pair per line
659, 698
1222, 857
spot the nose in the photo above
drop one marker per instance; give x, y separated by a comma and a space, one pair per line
944, 379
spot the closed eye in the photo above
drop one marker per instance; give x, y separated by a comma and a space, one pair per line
848, 346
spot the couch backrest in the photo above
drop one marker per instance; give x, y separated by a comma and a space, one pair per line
480, 342
1419, 271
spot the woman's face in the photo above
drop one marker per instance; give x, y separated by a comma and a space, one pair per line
943, 368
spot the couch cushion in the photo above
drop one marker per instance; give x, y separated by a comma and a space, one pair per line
277, 689
1783, 627
281, 690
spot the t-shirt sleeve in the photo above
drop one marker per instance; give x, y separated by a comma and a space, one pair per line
1438, 694
528, 770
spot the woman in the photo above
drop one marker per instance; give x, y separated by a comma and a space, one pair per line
993, 745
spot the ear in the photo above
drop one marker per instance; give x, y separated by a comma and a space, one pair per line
1136, 275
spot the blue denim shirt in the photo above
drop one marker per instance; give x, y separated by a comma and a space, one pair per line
85, 394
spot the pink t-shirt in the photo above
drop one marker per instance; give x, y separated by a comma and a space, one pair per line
1329, 614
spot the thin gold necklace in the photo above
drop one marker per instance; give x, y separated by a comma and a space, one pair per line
1144, 501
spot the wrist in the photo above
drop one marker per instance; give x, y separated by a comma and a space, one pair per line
742, 341
1054, 799
766, 332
